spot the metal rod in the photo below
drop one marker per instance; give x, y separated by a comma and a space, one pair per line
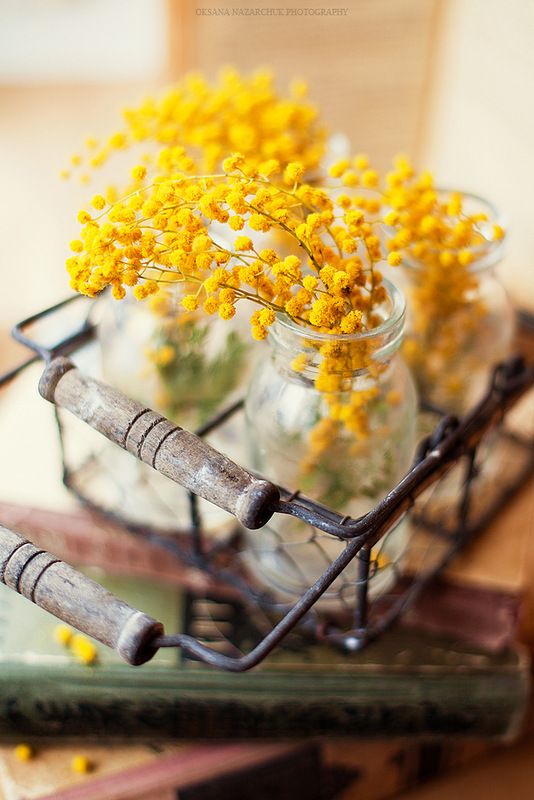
362, 588
12, 373
241, 664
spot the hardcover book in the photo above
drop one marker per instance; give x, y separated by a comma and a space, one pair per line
407, 683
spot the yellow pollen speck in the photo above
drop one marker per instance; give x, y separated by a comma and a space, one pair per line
63, 635
23, 752
81, 765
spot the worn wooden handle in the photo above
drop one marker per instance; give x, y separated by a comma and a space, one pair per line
176, 453
76, 599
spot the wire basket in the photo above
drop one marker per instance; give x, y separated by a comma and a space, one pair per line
463, 472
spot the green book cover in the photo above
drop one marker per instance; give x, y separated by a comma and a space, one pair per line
404, 684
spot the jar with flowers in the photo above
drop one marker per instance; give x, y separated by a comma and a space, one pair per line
444, 247
443, 251
178, 360
331, 407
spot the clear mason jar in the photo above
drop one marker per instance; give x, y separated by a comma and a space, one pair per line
185, 365
460, 321
297, 438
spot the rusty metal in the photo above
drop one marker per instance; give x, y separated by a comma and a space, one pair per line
453, 442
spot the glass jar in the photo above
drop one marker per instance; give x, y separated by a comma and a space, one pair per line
185, 365
345, 447
460, 321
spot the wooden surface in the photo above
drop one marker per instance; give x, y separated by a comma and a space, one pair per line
506, 773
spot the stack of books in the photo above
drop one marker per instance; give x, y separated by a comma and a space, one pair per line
432, 692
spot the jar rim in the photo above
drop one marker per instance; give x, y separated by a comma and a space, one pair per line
494, 248
393, 321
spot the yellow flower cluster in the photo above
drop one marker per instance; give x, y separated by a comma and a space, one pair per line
447, 245
440, 243
164, 233
169, 232
196, 124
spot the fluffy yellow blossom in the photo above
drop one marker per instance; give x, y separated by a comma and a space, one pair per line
395, 258
98, 202
343, 200
270, 167
145, 290
211, 304
293, 172
391, 218
226, 311
266, 317
118, 140
139, 172
465, 257
352, 322
243, 243
259, 333
310, 282
361, 161
233, 162
350, 178
200, 244
236, 223
337, 169
83, 217
369, 178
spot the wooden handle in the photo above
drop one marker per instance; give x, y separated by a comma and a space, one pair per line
176, 453
76, 599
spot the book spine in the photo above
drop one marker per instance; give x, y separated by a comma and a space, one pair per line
41, 701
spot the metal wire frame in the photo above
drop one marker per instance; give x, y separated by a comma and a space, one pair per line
452, 441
